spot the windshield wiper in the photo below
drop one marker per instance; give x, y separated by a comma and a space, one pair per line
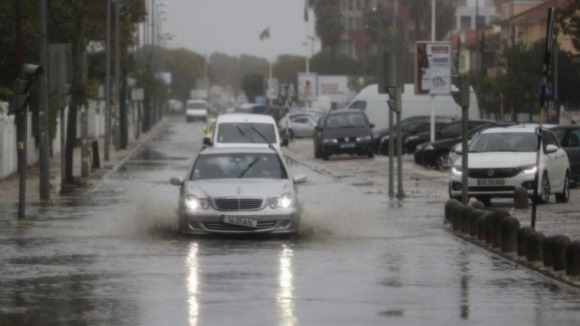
249, 167
244, 134
350, 126
260, 134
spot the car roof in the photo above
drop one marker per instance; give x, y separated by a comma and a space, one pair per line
245, 117
241, 149
197, 101
344, 111
533, 125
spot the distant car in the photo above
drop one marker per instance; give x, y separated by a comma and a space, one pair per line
239, 191
299, 125
438, 154
196, 110
503, 159
410, 126
450, 131
246, 130
208, 131
343, 132
569, 137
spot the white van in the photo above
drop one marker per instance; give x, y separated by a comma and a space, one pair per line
196, 109
246, 130
375, 105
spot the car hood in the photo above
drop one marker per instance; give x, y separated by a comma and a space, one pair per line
346, 132
499, 160
239, 187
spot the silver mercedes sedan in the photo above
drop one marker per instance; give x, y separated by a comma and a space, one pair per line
239, 191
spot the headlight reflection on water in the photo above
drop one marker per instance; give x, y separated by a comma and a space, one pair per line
285, 296
193, 284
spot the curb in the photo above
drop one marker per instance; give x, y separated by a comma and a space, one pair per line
497, 233
294, 157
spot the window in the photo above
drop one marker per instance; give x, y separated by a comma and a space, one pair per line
549, 139
301, 120
481, 21
238, 165
559, 133
465, 22
574, 140
504, 142
358, 105
351, 5
246, 133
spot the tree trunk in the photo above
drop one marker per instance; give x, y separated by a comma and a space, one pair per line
77, 91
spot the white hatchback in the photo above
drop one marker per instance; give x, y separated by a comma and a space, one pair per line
503, 159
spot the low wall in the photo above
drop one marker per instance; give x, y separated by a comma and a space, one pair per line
497, 231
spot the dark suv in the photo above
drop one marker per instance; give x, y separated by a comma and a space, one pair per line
343, 132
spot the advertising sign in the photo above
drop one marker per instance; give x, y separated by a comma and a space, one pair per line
307, 90
433, 68
334, 87
272, 91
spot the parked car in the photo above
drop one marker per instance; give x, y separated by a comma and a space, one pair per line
343, 132
196, 110
239, 190
438, 154
409, 126
299, 126
246, 130
569, 137
503, 159
450, 131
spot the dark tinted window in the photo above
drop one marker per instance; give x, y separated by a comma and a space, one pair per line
504, 142
353, 120
574, 140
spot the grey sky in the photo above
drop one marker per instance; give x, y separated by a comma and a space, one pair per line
234, 26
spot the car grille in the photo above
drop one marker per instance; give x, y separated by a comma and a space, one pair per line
346, 139
493, 188
494, 173
217, 226
235, 204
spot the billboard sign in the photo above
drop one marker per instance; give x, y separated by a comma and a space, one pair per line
433, 68
334, 87
307, 90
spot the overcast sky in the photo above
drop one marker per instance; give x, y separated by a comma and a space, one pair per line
234, 26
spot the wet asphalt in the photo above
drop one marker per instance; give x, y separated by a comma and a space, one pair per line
111, 255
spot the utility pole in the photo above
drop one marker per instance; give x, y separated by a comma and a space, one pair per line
20, 119
108, 84
117, 74
44, 164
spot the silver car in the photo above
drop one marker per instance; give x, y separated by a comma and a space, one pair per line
239, 190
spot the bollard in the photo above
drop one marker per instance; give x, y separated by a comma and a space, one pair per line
548, 254
559, 245
510, 226
521, 198
573, 259
96, 158
535, 246
481, 223
449, 208
455, 216
477, 204
473, 217
489, 229
496, 219
467, 210
523, 235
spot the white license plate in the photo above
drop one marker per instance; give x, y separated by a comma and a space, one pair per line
346, 145
490, 182
236, 220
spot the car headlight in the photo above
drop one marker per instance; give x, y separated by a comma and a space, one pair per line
411, 138
456, 170
429, 147
530, 169
363, 138
284, 201
194, 203
330, 140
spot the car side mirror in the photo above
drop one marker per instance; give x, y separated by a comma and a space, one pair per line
300, 179
551, 148
284, 142
206, 141
459, 149
176, 181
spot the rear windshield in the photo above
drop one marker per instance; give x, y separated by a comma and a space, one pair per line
246, 132
345, 121
196, 105
238, 166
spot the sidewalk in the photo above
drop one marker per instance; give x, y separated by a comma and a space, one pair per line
10, 186
422, 184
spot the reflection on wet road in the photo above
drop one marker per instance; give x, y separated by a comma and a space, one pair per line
112, 256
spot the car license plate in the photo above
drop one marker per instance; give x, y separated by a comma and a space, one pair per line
348, 145
236, 220
490, 182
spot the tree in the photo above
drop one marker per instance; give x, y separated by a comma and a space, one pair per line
569, 23
324, 63
287, 67
328, 24
230, 70
253, 85
185, 67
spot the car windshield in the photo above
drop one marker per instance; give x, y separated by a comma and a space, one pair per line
238, 166
196, 105
504, 142
345, 121
246, 133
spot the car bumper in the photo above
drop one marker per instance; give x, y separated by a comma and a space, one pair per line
505, 190
210, 222
361, 147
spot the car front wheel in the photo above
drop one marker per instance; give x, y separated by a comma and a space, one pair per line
544, 195
441, 161
564, 197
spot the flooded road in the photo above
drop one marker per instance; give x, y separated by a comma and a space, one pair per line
111, 255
